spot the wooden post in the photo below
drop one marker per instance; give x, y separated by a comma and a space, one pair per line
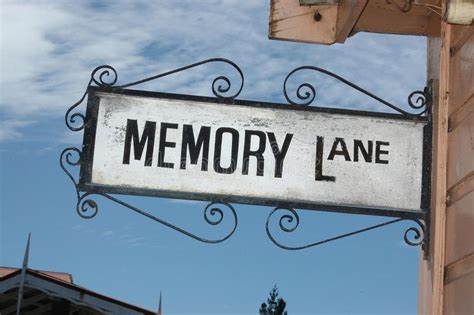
447, 278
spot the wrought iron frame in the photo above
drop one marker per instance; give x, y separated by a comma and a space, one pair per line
104, 78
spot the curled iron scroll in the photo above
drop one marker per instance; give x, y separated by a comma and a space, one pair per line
102, 76
106, 76
87, 207
220, 85
417, 232
420, 100
290, 221
306, 93
213, 215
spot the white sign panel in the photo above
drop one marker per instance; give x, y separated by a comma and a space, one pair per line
196, 148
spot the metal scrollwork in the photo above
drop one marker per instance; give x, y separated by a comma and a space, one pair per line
214, 210
218, 214
420, 100
214, 215
288, 218
88, 208
306, 93
418, 234
291, 217
288, 223
75, 121
220, 85
104, 76
70, 157
99, 76
85, 207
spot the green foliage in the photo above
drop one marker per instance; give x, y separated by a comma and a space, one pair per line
274, 305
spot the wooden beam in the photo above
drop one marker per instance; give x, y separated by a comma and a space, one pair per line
380, 16
463, 187
334, 23
349, 13
440, 161
290, 21
459, 269
322, 24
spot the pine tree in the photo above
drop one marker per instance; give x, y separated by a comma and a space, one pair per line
274, 305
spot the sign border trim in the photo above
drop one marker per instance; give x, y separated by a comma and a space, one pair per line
90, 135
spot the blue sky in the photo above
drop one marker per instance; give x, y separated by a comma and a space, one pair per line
48, 49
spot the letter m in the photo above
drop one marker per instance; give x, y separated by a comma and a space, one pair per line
195, 146
148, 138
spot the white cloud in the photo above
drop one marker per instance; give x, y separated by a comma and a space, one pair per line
49, 48
10, 129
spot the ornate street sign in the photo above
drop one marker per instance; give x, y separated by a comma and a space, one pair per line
187, 147
224, 150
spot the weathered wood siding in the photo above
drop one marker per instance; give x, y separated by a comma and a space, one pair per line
447, 278
459, 253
